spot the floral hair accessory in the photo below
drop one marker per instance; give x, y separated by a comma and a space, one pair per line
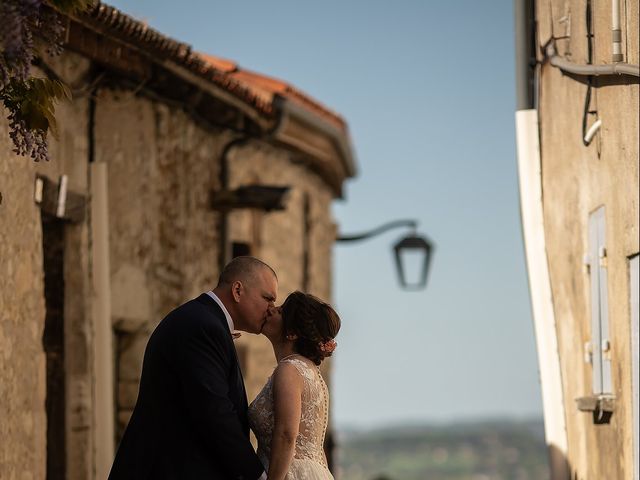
328, 347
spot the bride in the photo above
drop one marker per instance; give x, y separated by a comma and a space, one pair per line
289, 416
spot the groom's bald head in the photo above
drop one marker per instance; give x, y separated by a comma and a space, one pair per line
247, 288
244, 269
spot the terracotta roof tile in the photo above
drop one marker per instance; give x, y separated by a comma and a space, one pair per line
221, 64
106, 18
253, 88
267, 87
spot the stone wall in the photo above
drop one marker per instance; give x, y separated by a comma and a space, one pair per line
164, 249
164, 240
22, 311
577, 179
163, 233
24, 366
70, 156
282, 238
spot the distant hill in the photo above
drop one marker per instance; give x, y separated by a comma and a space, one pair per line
486, 450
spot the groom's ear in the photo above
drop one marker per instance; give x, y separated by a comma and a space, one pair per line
236, 290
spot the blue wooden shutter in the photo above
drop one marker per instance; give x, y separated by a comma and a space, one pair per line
600, 343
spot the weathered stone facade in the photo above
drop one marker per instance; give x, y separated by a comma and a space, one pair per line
296, 242
577, 179
163, 162
22, 310
163, 240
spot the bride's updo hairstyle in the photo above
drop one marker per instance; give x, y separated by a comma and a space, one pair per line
314, 322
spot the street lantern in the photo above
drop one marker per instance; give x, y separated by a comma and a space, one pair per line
409, 245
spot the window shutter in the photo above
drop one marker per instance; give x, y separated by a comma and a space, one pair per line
600, 342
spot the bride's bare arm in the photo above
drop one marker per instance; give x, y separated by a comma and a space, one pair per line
287, 407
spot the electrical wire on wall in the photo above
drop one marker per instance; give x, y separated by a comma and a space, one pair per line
589, 132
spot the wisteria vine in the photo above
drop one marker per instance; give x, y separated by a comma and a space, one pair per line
26, 28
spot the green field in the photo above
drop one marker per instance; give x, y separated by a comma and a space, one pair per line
491, 450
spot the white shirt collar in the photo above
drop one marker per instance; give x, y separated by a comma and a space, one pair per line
224, 310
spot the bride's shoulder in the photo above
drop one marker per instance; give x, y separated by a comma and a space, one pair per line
298, 362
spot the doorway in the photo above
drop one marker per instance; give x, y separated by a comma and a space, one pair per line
53, 344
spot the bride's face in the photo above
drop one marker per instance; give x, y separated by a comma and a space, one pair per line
273, 327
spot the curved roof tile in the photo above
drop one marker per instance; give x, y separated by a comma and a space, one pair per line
267, 87
253, 88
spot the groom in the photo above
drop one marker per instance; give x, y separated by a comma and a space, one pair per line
190, 419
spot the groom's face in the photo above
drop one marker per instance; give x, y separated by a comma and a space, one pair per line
259, 296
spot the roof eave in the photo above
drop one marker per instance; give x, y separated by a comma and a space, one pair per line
290, 111
168, 54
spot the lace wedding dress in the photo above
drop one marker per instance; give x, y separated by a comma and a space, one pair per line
309, 461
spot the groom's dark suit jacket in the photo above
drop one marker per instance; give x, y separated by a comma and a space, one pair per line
190, 420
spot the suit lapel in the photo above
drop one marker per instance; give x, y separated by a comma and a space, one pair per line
218, 314
242, 411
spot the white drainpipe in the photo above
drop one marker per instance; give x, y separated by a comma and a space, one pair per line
530, 178
531, 207
103, 333
616, 32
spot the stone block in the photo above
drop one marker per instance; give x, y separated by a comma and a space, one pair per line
127, 395
130, 298
123, 420
80, 401
131, 349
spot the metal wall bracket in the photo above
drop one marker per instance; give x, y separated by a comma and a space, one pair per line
261, 197
600, 406
56, 200
594, 403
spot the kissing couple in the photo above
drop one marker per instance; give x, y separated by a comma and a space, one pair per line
191, 420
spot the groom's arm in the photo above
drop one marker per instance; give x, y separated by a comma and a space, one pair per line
205, 362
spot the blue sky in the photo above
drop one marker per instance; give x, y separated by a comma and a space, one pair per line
428, 90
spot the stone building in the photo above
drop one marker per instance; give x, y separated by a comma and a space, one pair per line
577, 135
168, 164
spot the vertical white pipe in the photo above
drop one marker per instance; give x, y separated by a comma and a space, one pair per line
616, 32
62, 196
530, 179
635, 360
615, 14
101, 309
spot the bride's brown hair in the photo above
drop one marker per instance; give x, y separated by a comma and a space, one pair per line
313, 321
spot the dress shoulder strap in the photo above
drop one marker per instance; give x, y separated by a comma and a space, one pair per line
303, 367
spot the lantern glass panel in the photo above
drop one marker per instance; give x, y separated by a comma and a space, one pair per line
412, 260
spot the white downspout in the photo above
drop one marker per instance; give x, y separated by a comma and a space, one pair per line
616, 32
532, 214
530, 179
104, 419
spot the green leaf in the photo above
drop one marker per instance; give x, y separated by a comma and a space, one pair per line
36, 99
62, 91
36, 120
51, 122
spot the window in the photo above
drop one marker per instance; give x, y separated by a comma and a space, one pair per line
239, 249
53, 343
600, 344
